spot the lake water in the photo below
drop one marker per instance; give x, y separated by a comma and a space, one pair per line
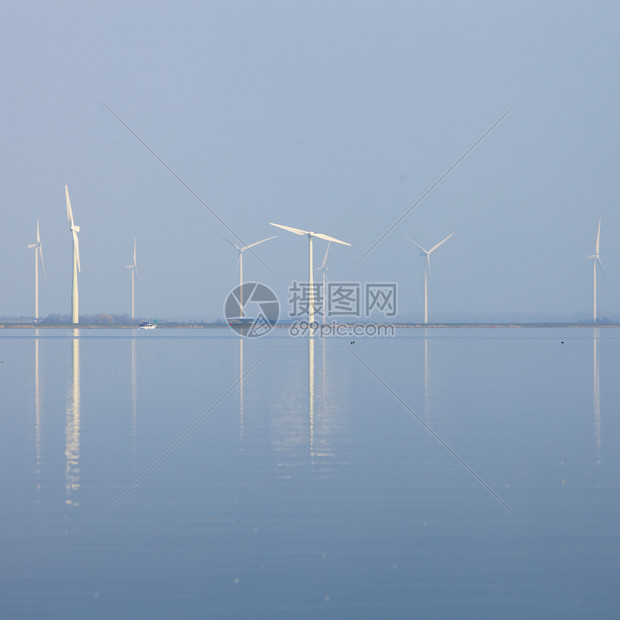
313, 487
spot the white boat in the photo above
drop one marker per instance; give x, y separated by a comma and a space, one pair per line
148, 325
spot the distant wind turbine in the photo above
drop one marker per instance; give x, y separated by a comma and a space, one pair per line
596, 259
38, 255
240, 251
311, 236
134, 275
427, 269
75, 313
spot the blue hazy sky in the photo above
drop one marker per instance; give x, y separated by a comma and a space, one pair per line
331, 116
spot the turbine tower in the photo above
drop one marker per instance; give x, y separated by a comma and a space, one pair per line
240, 264
75, 313
596, 259
311, 236
134, 275
323, 269
38, 255
427, 269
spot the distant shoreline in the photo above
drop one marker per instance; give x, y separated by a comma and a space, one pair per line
196, 325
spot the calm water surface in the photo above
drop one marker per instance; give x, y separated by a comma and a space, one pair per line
282, 478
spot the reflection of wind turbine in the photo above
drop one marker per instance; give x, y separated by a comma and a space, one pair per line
75, 313
427, 269
596, 259
38, 255
134, 395
37, 407
72, 430
310, 236
241, 428
311, 396
240, 264
427, 378
597, 394
134, 275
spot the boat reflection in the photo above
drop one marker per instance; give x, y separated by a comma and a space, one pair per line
72, 428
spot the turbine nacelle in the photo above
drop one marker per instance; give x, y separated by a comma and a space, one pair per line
38, 247
251, 245
241, 250
74, 229
427, 269
596, 259
310, 234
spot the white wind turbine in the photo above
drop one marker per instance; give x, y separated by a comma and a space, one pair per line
427, 269
134, 275
75, 313
311, 236
323, 269
240, 251
596, 259
38, 255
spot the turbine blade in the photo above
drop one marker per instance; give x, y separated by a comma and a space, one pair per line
328, 238
40, 250
325, 257
297, 231
38, 235
417, 245
598, 260
428, 258
76, 249
134, 252
230, 242
258, 242
69, 211
438, 244
33, 245
598, 237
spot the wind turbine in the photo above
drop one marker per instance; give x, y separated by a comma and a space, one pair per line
75, 314
134, 275
38, 255
311, 236
323, 269
240, 251
427, 269
596, 259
